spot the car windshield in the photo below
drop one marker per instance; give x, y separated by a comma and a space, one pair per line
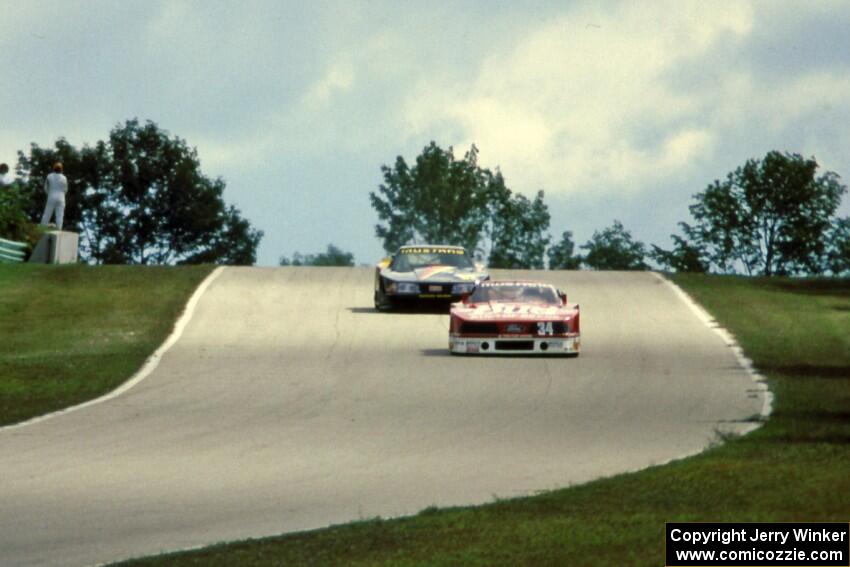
523, 293
409, 261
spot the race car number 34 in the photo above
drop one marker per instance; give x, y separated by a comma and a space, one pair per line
545, 328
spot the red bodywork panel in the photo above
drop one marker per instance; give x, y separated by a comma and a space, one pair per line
514, 319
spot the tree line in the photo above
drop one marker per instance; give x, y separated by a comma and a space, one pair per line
771, 216
138, 197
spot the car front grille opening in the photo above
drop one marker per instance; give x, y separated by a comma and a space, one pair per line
480, 329
514, 345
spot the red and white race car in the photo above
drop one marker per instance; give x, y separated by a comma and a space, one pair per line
515, 317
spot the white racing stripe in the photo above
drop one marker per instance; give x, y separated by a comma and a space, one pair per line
147, 368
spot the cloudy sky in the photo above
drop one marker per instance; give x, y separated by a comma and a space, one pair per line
618, 110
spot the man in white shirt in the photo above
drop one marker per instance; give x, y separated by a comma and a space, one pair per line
56, 185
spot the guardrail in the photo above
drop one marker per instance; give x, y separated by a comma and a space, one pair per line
12, 252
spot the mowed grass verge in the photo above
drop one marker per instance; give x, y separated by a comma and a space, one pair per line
71, 333
795, 468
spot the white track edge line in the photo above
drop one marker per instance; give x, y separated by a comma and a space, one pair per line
730, 341
147, 368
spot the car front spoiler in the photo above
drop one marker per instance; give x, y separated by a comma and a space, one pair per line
561, 345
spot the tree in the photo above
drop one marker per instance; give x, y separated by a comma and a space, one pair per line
768, 217
140, 198
614, 249
438, 200
838, 251
561, 255
517, 232
332, 257
14, 224
684, 257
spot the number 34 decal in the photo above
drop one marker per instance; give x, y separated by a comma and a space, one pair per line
545, 328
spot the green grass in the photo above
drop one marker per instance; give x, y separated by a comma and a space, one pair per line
71, 333
795, 468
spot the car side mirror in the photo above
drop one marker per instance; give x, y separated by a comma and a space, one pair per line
563, 297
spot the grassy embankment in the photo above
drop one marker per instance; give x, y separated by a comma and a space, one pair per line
71, 333
795, 468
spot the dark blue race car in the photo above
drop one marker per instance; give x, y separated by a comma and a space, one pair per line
426, 274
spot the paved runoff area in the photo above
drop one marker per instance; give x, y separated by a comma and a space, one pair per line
290, 404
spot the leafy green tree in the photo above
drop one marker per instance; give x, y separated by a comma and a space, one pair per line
333, 256
296, 260
684, 257
140, 198
12, 215
562, 255
517, 232
438, 200
768, 217
838, 251
14, 224
614, 249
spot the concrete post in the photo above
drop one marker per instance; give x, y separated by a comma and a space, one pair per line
56, 247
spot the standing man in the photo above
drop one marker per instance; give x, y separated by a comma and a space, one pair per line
56, 185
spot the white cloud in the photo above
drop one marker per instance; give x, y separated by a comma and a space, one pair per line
567, 108
797, 98
218, 154
338, 78
627, 99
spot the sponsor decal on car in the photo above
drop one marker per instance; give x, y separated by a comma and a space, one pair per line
513, 284
499, 310
425, 273
432, 250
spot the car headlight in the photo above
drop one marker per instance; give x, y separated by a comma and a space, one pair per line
462, 288
408, 288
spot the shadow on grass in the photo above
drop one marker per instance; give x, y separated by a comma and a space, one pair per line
809, 371
831, 427
836, 287
828, 439
826, 416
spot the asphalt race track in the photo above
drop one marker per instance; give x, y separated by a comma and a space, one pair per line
290, 404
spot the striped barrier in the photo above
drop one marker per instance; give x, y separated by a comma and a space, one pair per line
12, 252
